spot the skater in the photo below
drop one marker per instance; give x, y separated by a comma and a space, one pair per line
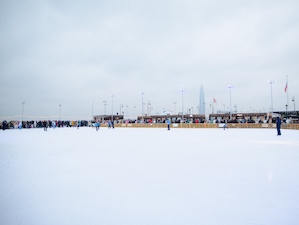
168, 124
278, 123
97, 125
4, 125
45, 125
20, 125
225, 126
109, 124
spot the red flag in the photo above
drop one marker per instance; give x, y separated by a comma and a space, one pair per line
214, 100
286, 87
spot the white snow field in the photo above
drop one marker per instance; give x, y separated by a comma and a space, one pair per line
149, 176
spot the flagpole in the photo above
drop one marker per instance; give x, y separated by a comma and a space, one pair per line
214, 102
287, 89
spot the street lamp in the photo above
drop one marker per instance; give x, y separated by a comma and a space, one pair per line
23, 102
105, 103
126, 111
148, 108
111, 95
182, 90
271, 82
230, 100
293, 100
236, 108
92, 110
120, 108
142, 93
174, 103
59, 112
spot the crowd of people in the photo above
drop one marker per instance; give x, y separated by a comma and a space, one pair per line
41, 124
110, 124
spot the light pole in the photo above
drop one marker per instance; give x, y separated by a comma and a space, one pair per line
120, 108
111, 95
142, 93
230, 100
271, 82
293, 100
126, 111
23, 103
174, 103
105, 103
236, 108
92, 110
182, 90
59, 112
148, 108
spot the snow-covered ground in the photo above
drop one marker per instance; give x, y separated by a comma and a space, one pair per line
140, 176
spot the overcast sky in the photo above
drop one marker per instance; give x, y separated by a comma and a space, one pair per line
74, 53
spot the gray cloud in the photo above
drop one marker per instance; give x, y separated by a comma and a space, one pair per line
75, 53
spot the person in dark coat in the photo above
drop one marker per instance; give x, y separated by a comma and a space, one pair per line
278, 123
112, 124
45, 125
4, 125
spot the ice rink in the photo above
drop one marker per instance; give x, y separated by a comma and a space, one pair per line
149, 176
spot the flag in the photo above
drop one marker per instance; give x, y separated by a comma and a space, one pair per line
286, 87
214, 100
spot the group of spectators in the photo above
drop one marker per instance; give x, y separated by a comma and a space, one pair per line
41, 124
84, 123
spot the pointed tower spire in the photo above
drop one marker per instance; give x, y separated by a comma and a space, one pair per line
202, 110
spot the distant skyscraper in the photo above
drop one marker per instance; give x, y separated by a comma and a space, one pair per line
202, 101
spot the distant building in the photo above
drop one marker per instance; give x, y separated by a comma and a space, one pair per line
202, 110
108, 117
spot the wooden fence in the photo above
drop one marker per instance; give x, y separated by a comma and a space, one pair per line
204, 125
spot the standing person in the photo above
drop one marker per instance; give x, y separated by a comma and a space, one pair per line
278, 123
4, 125
168, 124
225, 125
20, 125
45, 125
97, 124
53, 124
109, 124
